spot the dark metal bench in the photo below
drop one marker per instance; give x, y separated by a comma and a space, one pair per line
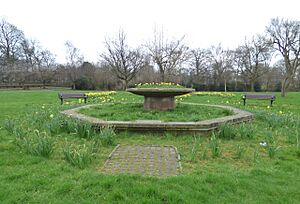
63, 96
259, 97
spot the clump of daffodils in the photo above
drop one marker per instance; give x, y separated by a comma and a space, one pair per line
100, 97
182, 97
159, 85
212, 93
100, 93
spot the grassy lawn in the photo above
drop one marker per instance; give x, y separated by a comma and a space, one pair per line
243, 172
132, 112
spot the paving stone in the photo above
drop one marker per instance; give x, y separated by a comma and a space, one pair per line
150, 160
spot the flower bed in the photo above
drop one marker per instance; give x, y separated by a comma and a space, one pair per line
159, 85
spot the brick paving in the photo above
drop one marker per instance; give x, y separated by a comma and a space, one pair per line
149, 160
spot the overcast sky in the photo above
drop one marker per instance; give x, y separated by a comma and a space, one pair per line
86, 23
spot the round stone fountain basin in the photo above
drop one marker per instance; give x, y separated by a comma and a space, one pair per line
161, 99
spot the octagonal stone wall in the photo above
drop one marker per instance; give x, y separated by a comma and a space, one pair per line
239, 116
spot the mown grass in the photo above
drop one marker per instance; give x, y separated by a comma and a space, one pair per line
243, 172
135, 111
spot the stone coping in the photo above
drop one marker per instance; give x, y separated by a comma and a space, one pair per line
239, 116
160, 92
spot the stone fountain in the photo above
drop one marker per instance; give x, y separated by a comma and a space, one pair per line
161, 99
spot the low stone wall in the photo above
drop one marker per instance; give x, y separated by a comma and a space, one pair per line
239, 116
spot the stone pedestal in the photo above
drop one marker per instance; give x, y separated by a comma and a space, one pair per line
159, 103
161, 99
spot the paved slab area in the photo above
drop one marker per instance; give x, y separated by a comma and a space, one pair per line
148, 160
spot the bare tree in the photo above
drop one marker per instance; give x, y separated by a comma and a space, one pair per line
254, 58
30, 51
38, 61
167, 55
147, 73
124, 61
74, 60
10, 42
106, 79
221, 64
286, 38
10, 51
46, 59
198, 62
46, 65
74, 57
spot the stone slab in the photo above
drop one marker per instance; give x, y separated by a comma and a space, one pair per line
147, 160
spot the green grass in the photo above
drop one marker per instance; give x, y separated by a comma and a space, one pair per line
242, 173
132, 112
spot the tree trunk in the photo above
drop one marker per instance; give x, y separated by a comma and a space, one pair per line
284, 86
126, 82
267, 85
225, 85
235, 84
162, 76
252, 86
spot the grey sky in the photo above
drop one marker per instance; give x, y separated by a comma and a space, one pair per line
86, 23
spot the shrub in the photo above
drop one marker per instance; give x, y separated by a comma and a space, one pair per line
246, 131
227, 131
298, 143
204, 153
10, 125
68, 125
195, 148
54, 126
80, 156
240, 151
275, 121
39, 144
215, 146
256, 156
291, 135
38, 117
84, 130
272, 147
106, 136
227, 112
19, 132
84, 83
43, 147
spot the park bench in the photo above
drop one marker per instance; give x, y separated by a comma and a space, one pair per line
63, 96
259, 97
